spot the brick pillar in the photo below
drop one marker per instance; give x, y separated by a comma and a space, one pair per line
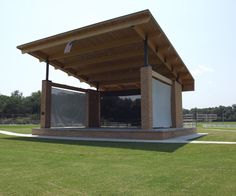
93, 111
176, 105
146, 97
45, 116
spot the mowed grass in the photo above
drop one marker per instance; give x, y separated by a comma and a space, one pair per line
30, 166
46, 167
218, 133
19, 128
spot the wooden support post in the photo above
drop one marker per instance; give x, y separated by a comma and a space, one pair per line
93, 111
176, 105
45, 117
146, 98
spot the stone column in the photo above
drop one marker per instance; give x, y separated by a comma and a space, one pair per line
176, 105
93, 109
146, 97
45, 116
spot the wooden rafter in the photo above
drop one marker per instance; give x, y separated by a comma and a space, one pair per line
90, 49
124, 81
106, 58
163, 49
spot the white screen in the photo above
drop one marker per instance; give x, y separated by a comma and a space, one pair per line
161, 95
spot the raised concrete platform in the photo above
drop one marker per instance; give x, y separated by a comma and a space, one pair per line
115, 133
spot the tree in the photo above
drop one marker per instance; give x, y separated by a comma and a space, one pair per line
226, 113
18, 105
32, 103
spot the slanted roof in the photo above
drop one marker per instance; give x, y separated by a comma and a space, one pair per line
110, 53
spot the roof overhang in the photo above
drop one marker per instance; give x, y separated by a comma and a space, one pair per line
110, 53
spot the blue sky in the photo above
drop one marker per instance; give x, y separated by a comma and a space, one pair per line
202, 31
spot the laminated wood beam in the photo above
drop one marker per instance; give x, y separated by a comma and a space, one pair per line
114, 76
124, 81
110, 67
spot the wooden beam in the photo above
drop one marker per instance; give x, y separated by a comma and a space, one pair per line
172, 59
117, 87
68, 87
40, 55
94, 48
106, 58
121, 93
114, 76
124, 81
115, 66
184, 75
188, 87
95, 69
58, 65
164, 49
161, 78
179, 69
85, 32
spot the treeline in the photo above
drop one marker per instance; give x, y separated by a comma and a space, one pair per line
19, 109
224, 113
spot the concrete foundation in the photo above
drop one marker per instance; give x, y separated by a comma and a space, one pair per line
155, 134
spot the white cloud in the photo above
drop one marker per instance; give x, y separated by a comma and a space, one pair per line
201, 70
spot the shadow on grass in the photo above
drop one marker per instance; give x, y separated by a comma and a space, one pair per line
160, 147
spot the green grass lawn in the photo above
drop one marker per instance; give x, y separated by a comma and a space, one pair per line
226, 123
217, 125
18, 128
30, 166
218, 134
47, 167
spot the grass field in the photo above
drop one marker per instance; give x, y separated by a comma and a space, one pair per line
47, 167
218, 134
18, 128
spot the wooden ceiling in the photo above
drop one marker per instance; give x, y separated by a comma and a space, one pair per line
109, 54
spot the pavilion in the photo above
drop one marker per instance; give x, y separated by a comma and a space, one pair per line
128, 55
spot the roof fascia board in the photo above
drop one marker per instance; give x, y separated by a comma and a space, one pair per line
86, 32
